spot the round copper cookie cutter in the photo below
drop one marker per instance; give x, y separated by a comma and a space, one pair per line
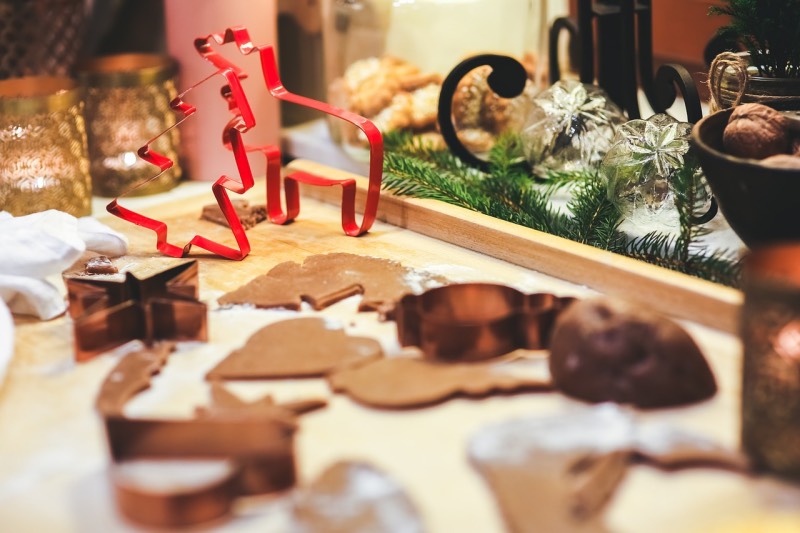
476, 321
180, 506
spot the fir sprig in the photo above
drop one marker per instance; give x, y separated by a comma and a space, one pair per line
769, 29
506, 191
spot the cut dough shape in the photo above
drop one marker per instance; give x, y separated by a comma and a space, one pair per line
300, 347
100, 265
325, 279
225, 403
131, 376
249, 215
404, 382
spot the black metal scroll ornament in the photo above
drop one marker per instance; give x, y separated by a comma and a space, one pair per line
507, 80
616, 45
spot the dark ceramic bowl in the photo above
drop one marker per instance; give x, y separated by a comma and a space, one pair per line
761, 203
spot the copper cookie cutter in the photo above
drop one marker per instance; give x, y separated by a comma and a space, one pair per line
108, 313
476, 321
257, 453
250, 446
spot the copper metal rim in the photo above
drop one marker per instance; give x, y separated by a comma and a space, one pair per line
32, 95
775, 264
476, 321
177, 508
127, 70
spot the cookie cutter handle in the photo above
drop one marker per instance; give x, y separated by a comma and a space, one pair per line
507, 79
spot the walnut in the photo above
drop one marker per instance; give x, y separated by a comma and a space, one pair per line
782, 161
756, 131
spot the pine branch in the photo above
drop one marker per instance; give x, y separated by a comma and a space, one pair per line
508, 192
408, 176
595, 219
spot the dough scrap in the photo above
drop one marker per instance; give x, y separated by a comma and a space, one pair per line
130, 376
325, 279
249, 215
405, 382
300, 347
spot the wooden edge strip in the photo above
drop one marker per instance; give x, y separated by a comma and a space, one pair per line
662, 290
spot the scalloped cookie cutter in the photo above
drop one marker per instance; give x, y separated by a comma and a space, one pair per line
476, 321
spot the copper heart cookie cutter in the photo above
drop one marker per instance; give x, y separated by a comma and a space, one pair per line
476, 321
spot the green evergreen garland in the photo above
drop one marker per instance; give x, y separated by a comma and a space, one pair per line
507, 191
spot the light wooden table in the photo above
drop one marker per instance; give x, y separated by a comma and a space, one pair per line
52, 450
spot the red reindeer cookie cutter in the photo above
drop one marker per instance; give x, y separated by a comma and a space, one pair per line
241, 122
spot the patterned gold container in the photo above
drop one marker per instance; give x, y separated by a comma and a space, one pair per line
43, 162
771, 374
41, 37
127, 104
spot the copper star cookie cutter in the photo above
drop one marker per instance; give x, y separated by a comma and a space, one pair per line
476, 321
249, 446
108, 313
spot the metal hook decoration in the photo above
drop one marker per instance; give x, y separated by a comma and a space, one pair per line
623, 27
507, 79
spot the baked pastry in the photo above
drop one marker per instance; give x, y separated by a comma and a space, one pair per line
605, 350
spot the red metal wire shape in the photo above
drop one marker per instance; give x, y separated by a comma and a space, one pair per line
243, 120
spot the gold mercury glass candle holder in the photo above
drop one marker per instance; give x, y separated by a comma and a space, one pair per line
770, 332
127, 104
43, 163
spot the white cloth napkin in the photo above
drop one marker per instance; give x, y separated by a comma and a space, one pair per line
36, 246
6, 339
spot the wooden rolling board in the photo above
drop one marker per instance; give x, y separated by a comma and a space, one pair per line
663, 290
52, 450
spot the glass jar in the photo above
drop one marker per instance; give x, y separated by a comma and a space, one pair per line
386, 59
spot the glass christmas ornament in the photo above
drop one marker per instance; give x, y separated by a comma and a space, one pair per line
641, 163
570, 127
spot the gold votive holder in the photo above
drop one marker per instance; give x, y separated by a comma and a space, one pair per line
770, 330
41, 37
43, 163
127, 105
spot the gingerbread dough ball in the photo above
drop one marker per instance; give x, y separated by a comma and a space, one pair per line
756, 131
604, 350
